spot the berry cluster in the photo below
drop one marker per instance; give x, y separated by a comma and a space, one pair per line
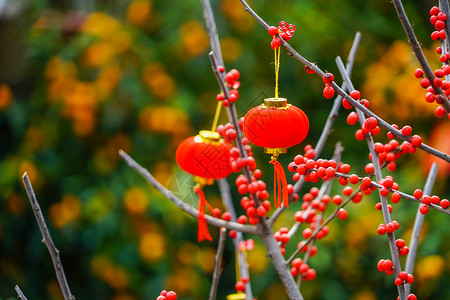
328, 90
312, 170
401, 247
403, 278
231, 78
437, 18
282, 237
428, 200
165, 295
284, 30
302, 269
385, 265
388, 228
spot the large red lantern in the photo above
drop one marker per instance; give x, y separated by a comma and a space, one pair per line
207, 157
276, 126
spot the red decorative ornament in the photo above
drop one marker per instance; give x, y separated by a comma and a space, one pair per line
276, 126
207, 157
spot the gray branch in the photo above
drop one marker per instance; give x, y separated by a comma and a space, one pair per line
418, 226
181, 204
47, 239
378, 177
20, 293
217, 268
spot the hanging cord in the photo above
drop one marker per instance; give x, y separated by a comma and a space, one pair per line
203, 232
216, 116
280, 192
277, 69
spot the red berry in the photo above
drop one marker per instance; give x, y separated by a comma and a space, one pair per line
424, 209
411, 297
444, 203
417, 194
342, 214
403, 275
328, 78
395, 197
371, 123
398, 281
337, 199
355, 94
439, 25
239, 286
418, 73
352, 118
406, 130
442, 16
424, 82
440, 112
272, 30
416, 140
434, 10
328, 91
171, 295
276, 42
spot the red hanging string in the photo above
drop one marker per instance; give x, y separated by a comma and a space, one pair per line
280, 178
203, 232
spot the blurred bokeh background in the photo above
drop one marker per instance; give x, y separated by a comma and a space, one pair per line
81, 79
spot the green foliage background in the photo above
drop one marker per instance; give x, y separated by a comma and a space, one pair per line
80, 81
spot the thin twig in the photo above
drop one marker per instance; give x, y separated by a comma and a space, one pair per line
328, 220
217, 268
181, 204
20, 293
418, 51
47, 239
345, 95
402, 194
212, 30
224, 188
418, 225
378, 177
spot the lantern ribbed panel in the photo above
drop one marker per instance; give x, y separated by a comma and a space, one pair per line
275, 127
204, 159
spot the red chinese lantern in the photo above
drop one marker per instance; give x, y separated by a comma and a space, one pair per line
207, 157
276, 126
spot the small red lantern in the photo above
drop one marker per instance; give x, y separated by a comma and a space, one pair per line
276, 126
207, 157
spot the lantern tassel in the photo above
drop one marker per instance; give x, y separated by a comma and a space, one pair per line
203, 232
280, 182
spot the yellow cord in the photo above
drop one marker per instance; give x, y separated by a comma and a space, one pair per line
277, 68
216, 116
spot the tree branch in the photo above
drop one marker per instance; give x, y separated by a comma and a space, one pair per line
19, 293
217, 268
412, 39
47, 239
224, 188
179, 203
418, 226
378, 177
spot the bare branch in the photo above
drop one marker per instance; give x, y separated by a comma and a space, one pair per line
378, 177
47, 239
19, 293
418, 226
179, 203
224, 188
217, 268
418, 51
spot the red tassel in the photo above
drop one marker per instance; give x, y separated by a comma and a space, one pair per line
281, 182
203, 232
